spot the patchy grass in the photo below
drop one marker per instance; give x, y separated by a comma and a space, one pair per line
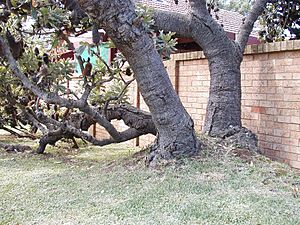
109, 186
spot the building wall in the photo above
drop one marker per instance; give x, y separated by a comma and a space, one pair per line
181, 7
270, 95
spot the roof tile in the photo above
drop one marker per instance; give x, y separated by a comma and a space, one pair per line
230, 20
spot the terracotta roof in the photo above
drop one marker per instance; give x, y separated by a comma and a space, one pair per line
230, 20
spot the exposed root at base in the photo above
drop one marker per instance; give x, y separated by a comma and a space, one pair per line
242, 143
164, 155
245, 139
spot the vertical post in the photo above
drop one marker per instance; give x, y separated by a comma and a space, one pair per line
177, 76
138, 105
94, 130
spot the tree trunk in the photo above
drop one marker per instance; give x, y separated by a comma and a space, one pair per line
223, 113
176, 136
50, 138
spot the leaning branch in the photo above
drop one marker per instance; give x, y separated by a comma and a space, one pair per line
15, 148
17, 134
198, 7
172, 21
66, 128
132, 117
247, 27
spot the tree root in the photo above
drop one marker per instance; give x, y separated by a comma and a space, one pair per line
161, 154
244, 138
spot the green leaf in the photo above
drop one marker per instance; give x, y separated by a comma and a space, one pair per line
13, 3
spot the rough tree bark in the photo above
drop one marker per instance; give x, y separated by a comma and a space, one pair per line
223, 112
223, 115
176, 136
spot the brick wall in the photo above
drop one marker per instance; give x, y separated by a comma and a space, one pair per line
270, 95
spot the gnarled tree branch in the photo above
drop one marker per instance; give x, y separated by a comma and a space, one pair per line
247, 27
198, 7
15, 148
68, 130
172, 21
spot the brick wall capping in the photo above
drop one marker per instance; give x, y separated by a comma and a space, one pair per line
291, 45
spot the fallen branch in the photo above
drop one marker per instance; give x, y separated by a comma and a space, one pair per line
140, 123
15, 148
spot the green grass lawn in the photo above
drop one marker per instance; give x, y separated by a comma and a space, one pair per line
108, 186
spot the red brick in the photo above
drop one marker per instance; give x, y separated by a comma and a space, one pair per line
261, 57
272, 153
287, 126
279, 69
269, 124
284, 90
247, 70
258, 109
249, 89
260, 83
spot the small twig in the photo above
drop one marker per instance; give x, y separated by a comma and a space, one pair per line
35, 33
124, 81
104, 62
106, 104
